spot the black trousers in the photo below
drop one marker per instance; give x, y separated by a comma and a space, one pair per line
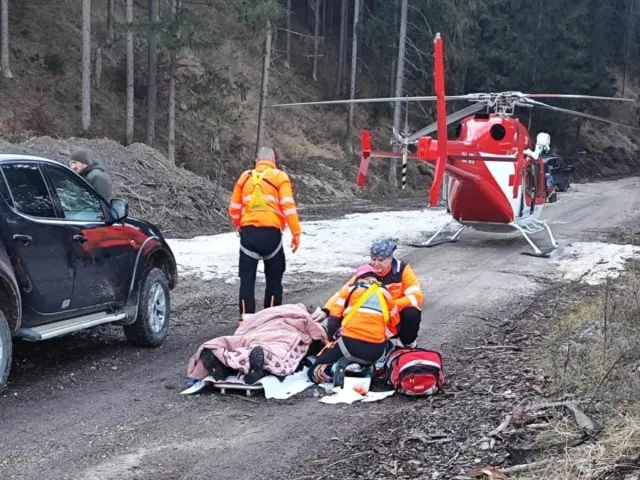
321, 372
409, 325
262, 241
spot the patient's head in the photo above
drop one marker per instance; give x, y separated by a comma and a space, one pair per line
365, 271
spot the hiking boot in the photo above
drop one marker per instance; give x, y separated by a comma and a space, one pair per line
256, 366
338, 370
215, 367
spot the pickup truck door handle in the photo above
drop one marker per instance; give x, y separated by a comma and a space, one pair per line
80, 238
23, 239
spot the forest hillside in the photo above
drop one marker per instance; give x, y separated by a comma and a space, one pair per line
198, 69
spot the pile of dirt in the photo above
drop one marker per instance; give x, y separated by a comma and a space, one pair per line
179, 202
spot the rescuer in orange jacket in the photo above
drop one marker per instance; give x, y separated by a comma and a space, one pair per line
401, 281
261, 206
361, 319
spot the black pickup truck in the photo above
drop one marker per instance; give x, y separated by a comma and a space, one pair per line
70, 260
561, 171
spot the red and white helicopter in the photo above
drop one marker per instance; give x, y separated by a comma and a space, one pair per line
495, 175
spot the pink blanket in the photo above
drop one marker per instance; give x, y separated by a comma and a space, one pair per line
284, 332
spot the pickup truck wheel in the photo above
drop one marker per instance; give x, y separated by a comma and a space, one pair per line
154, 311
564, 186
5, 350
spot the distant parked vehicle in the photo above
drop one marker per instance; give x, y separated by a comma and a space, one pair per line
561, 171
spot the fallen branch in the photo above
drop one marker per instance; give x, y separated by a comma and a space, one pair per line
588, 426
137, 195
537, 426
491, 323
505, 423
121, 175
495, 347
527, 467
540, 406
536, 389
424, 439
347, 458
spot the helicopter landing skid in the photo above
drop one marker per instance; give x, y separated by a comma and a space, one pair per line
532, 227
431, 241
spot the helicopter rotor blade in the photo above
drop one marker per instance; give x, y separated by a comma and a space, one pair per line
579, 114
586, 97
381, 100
451, 118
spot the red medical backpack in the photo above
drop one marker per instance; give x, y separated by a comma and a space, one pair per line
415, 371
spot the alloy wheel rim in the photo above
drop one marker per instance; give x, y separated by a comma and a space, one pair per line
157, 307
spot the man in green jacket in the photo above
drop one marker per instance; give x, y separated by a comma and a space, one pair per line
92, 171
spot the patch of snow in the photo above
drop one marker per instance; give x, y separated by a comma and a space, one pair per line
593, 262
326, 246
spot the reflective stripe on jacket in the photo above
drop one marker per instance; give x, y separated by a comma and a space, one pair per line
404, 286
278, 195
402, 283
368, 322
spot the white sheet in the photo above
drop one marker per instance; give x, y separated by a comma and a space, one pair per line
273, 388
299, 382
351, 396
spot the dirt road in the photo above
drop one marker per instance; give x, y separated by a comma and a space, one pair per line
88, 406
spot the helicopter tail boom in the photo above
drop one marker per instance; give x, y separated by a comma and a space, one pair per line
366, 154
441, 111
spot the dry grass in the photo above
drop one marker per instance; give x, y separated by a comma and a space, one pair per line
615, 455
594, 354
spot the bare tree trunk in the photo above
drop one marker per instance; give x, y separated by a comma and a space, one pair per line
397, 111
535, 57
315, 40
152, 81
130, 78
109, 22
86, 64
626, 55
324, 18
287, 62
4, 54
263, 87
343, 80
171, 150
343, 46
392, 77
97, 74
354, 64
392, 70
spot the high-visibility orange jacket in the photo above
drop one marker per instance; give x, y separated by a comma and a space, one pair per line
366, 322
402, 283
278, 195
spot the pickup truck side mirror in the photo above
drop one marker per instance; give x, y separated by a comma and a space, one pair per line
119, 209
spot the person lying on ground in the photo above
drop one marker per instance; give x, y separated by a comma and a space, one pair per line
403, 284
362, 318
273, 340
